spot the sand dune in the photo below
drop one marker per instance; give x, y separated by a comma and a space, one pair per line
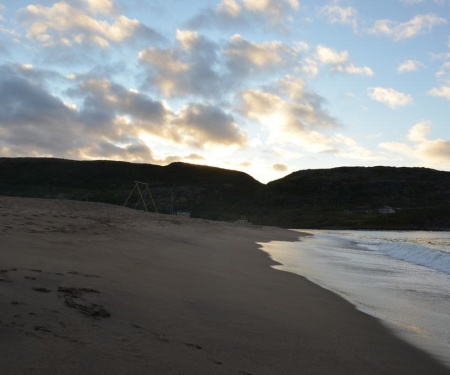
88, 288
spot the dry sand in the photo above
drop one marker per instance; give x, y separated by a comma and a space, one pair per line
88, 288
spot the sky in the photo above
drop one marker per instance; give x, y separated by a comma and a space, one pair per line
267, 87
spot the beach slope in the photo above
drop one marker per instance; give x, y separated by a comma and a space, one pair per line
88, 288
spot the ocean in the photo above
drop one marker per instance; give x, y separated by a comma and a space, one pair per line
399, 277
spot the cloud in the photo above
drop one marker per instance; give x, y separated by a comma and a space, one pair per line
296, 119
418, 133
389, 96
422, 1
231, 13
339, 62
273, 9
340, 15
198, 67
80, 22
175, 158
442, 91
108, 121
431, 152
32, 121
400, 31
348, 148
106, 104
280, 167
197, 124
444, 72
188, 68
245, 57
409, 66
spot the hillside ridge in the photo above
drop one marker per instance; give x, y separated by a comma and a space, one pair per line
342, 197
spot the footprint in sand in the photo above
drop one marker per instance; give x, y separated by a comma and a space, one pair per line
4, 277
215, 361
192, 345
41, 329
41, 290
73, 298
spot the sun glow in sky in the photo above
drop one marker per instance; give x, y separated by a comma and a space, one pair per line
267, 87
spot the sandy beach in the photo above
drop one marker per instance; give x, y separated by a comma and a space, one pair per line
89, 288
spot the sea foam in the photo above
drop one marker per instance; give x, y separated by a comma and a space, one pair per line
418, 254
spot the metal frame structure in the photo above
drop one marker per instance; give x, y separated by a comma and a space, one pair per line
143, 191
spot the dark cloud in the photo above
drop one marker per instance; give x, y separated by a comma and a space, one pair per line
208, 18
29, 115
137, 152
106, 124
198, 67
104, 100
191, 67
206, 123
148, 35
34, 122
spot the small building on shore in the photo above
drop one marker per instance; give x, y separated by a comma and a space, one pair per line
386, 210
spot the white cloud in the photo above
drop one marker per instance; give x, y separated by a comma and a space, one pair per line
412, 1
419, 132
339, 14
444, 72
256, 54
339, 62
242, 12
101, 6
389, 96
330, 56
430, 152
272, 8
309, 66
86, 21
230, 8
409, 66
346, 147
422, 1
443, 92
405, 30
187, 38
290, 114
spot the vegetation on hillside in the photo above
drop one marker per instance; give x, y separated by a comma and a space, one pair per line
346, 197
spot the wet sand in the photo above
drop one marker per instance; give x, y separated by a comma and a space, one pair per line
88, 288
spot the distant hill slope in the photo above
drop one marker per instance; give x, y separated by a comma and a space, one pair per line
351, 196
346, 197
200, 189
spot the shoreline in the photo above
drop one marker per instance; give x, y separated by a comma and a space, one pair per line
361, 289
185, 296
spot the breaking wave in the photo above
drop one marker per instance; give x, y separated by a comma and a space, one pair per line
417, 254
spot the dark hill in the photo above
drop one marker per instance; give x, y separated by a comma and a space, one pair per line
347, 197
200, 189
352, 196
